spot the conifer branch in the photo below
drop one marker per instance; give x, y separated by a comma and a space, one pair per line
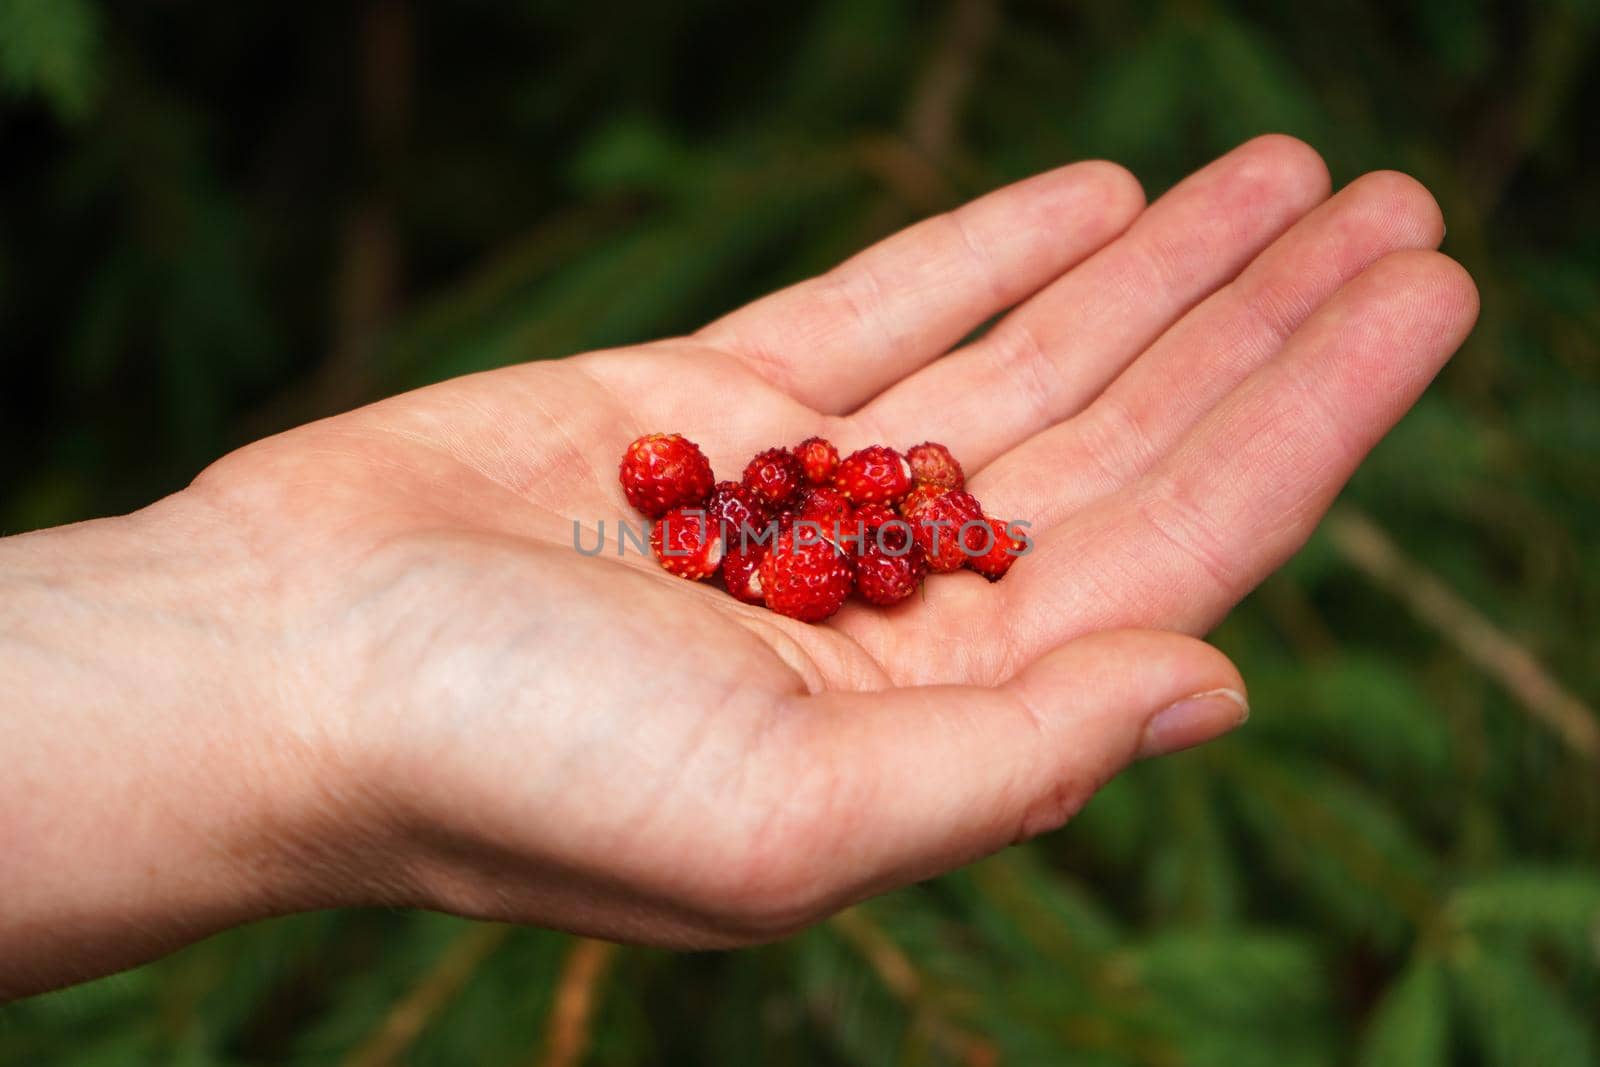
906, 984
440, 985
1365, 544
577, 995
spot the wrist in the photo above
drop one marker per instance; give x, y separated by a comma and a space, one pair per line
154, 785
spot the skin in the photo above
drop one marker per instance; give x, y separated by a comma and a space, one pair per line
360, 662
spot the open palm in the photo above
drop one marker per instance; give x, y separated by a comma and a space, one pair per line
1172, 398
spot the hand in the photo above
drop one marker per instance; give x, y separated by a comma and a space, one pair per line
493, 724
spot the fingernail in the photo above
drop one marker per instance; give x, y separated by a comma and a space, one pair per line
1193, 721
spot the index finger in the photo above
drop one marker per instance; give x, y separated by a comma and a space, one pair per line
837, 340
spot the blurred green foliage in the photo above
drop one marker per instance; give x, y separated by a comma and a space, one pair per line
217, 220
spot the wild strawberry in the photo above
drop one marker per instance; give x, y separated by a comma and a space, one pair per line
776, 476
736, 513
932, 464
873, 516
893, 535
812, 525
824, 505
874, 475
686, 543
741, 572
819, 458
662, 471
918, 498
802, 528
825, 510
939, 527
888, 572
805, 579
865, 522
1002, 553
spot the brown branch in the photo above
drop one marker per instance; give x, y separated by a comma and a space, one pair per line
440, 985
366, 282
905, 983
933, 116
1516, 123
913, 161
1364, 544
909, 176
577, 994
369, 270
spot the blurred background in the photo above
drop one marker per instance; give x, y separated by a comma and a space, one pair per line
219, 220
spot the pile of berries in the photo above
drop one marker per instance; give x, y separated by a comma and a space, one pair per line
803, 527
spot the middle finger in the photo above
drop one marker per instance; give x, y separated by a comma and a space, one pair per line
1053, 354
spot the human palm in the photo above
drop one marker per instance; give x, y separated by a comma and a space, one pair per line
1172, 398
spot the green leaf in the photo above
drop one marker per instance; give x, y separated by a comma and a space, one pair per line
633, 152
1235, 998
1117, 820
863, 1022
1459, 33
1334, 841
1364, 710
839, 67
1192, 873
1519, 1021
1036, 911
51, 48
1140, 96
1253, 90
1558, 905
1411, 1027
1233, 974
660, 277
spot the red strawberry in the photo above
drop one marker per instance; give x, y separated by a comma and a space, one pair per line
874, 475
686, 544
887, 573
805, 579
775, 475
741, 572
824, 505
893, 535
941, 520
819, 458
734, 510
918, 499
1002, 553
932, 464
873, 516
662, 471
864, 523
825, 509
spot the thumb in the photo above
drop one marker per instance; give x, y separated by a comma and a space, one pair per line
924, 779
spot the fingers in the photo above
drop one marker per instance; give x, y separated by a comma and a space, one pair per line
1213, 348
1055, 353
909, 782
838, 339
1247, 485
